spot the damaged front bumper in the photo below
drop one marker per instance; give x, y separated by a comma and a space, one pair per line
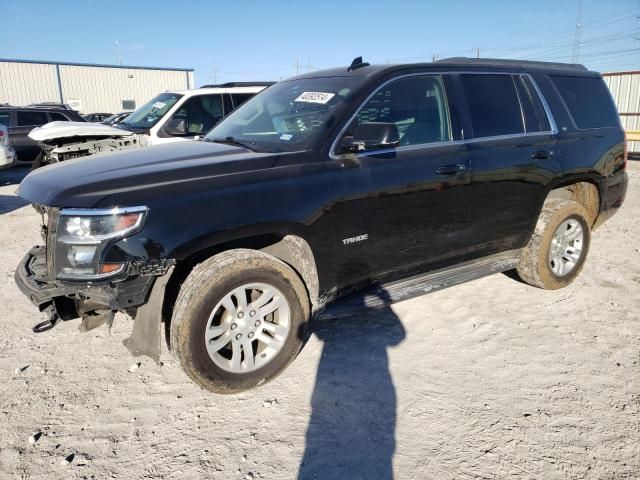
96, 303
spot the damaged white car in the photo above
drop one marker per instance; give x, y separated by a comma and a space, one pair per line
169, 117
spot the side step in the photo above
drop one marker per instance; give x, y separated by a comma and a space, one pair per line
383, 295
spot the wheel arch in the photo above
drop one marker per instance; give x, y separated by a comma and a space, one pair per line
290, 248
585, 190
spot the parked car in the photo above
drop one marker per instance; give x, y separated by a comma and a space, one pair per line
116, 118
7, 154
21, 120
169, 117
327, 193
96, 117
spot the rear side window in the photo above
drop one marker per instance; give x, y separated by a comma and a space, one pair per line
240, 98
493, 104
5, 119
58, 117
535, 117
28, 119
588, 101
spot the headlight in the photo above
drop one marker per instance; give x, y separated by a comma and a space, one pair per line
82, 235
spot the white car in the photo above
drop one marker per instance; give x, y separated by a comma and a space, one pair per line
7, 153
169, 117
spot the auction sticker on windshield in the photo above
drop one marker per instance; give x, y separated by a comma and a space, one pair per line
159, 105
315, 97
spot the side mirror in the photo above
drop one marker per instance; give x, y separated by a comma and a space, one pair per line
372, 136
176, 126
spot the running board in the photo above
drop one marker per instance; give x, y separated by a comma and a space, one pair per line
383, 295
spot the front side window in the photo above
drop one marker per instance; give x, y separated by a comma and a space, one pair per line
493, 104
416, 105
29, 119
288, 116
197, 115
239, 98
151, 112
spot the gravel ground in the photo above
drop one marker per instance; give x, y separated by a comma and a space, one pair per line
491, 379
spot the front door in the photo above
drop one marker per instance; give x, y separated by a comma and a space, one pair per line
403, 208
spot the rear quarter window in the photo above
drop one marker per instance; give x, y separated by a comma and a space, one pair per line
588, 101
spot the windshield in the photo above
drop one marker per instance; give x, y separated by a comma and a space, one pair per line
287, 116
152, 111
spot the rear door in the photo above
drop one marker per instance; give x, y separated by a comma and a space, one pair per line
403, 208
25, 121
514, 157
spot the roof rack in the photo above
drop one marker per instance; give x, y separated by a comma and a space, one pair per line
239, 84
61, 106
514, 63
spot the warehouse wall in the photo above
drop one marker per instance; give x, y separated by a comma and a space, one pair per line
625, 88
24, 83
87, 88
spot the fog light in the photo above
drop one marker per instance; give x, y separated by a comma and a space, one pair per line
81, 255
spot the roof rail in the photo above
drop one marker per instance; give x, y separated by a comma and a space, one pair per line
510, 62
61, 106
239, 84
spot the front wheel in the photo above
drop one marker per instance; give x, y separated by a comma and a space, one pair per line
558, 247
239, 320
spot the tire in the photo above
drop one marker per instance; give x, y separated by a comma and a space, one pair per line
536, 266
201, 297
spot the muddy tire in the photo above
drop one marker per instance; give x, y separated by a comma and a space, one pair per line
558, 247
239, 320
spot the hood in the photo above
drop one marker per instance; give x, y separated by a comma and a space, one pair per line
116, 179
54, 130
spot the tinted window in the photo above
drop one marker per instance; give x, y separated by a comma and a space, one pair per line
415, 104
535, 118
5, 119
493, 105
588, 100
31, 118
240, 98
58, 117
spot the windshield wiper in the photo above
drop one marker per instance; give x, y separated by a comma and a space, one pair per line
233, 141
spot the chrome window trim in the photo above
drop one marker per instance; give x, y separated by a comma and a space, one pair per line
554, 129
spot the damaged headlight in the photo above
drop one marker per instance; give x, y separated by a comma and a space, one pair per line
82, 235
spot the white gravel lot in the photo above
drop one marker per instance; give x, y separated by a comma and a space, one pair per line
491, 379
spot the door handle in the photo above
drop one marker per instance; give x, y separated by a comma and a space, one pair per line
450, 169
542, 154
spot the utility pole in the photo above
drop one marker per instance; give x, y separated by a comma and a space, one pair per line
477, 50
297, 66
575, 51
214, 72
118, 53
309, 67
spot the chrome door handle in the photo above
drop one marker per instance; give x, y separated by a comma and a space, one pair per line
450, 169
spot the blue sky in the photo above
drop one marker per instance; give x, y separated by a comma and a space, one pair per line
236, 40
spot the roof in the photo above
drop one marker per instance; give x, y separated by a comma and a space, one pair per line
457, 63
100, 65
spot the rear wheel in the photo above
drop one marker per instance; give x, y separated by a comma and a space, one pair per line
239, 320
558, 247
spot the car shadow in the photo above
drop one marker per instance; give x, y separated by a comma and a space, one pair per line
13, 176
351, 432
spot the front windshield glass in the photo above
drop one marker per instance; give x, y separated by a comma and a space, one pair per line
148, 114
287, 116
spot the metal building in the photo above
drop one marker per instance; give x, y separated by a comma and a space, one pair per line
88, 88
625, 88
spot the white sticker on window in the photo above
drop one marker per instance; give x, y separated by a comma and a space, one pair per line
286, 136
159, 105
315, 97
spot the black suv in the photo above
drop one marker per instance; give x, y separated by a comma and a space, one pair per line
335, 190
21, 120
